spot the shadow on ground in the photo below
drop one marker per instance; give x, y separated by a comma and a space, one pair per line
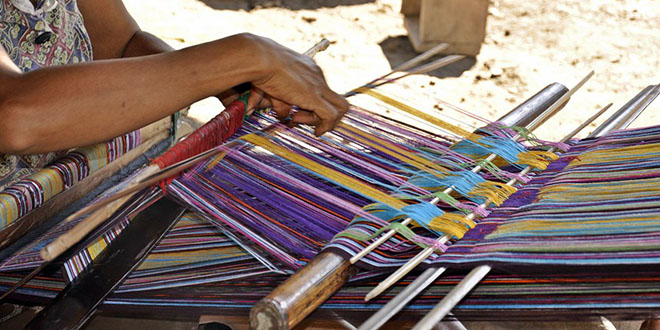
289, 4
398, 50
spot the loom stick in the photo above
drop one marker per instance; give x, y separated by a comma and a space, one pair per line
282, 308
629, 111
431, 274
404, 66
439, 63
417, 59
150, 134
73, 307
478, 273
427, 252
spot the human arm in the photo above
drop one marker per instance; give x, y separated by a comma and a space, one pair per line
61, 107
75, 105
115, 34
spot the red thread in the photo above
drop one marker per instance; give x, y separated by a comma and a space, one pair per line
212, 134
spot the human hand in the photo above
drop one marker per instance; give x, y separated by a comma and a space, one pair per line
287, 79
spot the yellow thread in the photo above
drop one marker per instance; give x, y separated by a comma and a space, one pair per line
495, 192
449, 225
417, 113
536, 159
324, 171
403, 155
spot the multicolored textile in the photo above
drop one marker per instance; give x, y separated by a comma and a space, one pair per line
34, 190
597, 206
194, 252
290, 193
20, 24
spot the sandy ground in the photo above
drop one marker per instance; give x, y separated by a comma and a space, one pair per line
529, 44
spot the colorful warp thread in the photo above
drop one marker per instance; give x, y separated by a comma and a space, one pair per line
498, 297
194, 252
597, 206
290, 192
213, 133
625, 158
31, 192
182, 288
188, 289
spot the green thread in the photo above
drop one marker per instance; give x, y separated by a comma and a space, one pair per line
244, 98
401, 229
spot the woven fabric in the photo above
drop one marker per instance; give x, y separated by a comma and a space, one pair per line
34, 190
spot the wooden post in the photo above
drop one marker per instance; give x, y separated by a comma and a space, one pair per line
460, 23
302, 293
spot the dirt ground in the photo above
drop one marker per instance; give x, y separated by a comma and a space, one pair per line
528, 45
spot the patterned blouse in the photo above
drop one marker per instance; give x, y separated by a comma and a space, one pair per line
48, 34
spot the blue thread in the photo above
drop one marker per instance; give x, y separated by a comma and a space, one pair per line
508, 149
463, 182
423, 213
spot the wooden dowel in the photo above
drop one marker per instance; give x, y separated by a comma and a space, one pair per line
302, 293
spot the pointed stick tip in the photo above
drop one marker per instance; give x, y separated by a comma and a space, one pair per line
375, 292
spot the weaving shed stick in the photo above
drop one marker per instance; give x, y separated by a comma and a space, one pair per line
427, 252
299, 295
431, 274
631, 109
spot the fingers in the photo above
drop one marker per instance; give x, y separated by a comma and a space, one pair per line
339, 103
281, 109
323, 115
306, 117
257, 100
